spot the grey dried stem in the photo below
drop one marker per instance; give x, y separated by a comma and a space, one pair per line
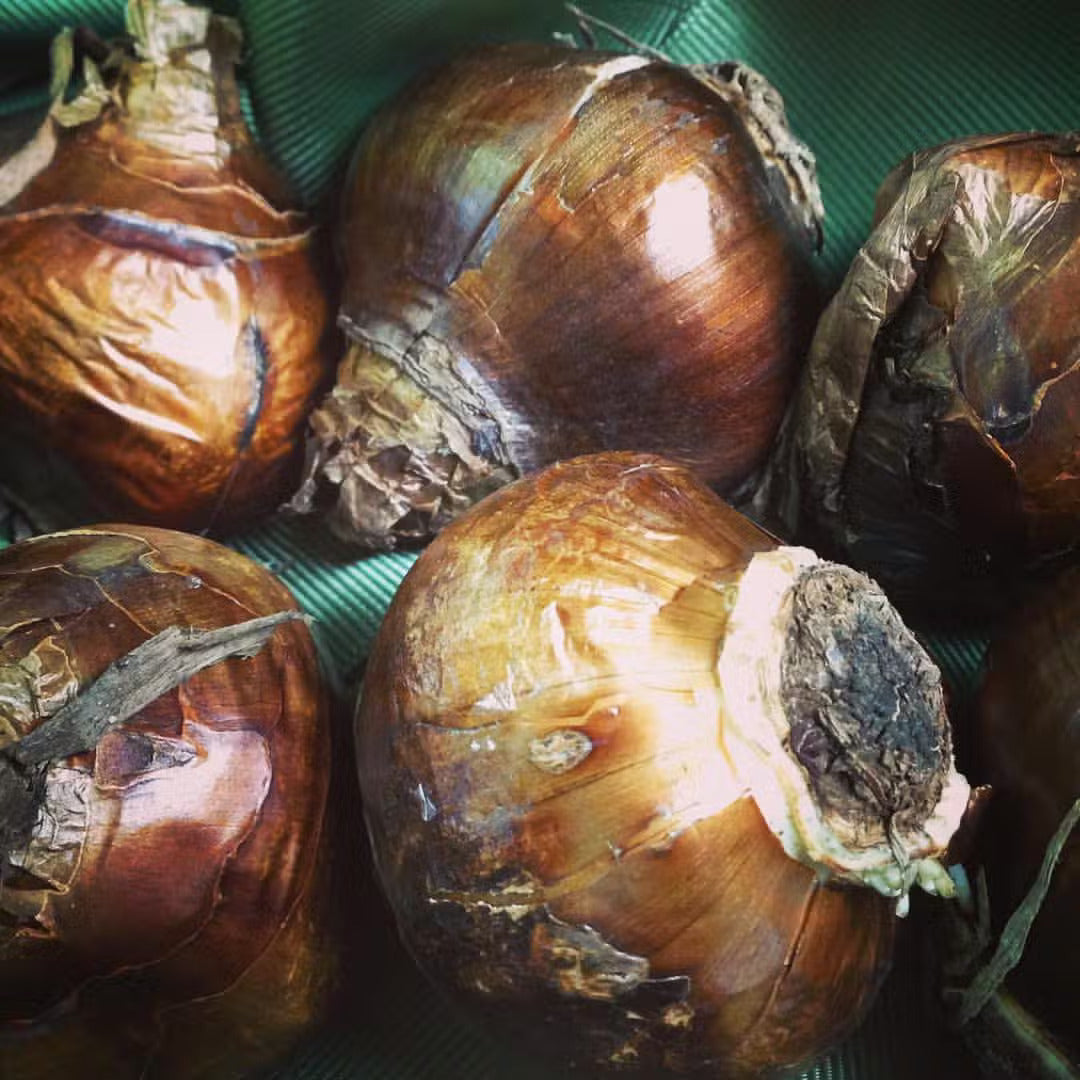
1010, 947
129, 684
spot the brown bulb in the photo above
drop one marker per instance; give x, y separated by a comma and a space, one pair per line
1026, 747
160, 912
645, 788
933, 439
547, 252
164, 317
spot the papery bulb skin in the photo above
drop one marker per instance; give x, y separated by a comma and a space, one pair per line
932, 439
165, 309
160, 914
551, 251
1026, 746
599, 806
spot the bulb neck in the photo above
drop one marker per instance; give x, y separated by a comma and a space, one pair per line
179, 92
835, 719
170, 89
388, 462
789, 160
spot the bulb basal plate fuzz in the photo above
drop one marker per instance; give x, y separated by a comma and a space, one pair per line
628, 767
835, 720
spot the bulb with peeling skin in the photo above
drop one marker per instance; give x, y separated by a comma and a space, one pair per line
644, 787
164, 305
551, 251
932, 441
162, 900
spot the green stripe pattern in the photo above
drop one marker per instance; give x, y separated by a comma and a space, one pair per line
865, 84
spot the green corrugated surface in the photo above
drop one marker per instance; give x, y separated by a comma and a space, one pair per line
360, 53
27, 19
865, 84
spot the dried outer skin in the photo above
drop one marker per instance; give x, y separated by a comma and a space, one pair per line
164, 314
933, 435
1027, 742
554, 816
565, 252
126, 915
254, 1021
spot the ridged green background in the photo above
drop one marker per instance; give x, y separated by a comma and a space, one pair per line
865, 83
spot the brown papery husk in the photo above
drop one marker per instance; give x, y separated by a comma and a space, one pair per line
547, 737
281, 999
170, 947
552, 251
931, 441
165, 307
